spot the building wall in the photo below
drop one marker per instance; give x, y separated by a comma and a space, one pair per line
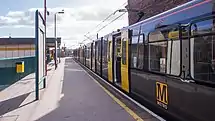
8, 69
22, 50
151, 7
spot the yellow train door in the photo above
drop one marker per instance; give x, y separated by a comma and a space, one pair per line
109, 54
124, 60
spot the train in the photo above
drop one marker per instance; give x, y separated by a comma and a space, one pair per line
166, 62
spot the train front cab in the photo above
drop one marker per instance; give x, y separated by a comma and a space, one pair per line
118, 64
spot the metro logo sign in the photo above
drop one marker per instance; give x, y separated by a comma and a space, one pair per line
162, 94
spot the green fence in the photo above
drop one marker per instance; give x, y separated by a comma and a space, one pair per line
8, 69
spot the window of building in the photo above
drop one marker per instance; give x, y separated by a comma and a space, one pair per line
164, 51
202, 46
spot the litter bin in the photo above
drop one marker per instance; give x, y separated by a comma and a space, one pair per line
20, 67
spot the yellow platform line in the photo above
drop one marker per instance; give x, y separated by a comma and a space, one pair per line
132, 113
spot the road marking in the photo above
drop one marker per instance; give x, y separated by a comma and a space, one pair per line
132, 113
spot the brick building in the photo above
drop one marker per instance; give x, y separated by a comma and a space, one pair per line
151, 7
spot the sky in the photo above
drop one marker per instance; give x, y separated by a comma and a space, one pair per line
79, 18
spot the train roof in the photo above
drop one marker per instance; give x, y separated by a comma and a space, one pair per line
180, 7
193, 2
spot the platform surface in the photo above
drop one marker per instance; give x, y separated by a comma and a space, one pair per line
84, 100
71, 95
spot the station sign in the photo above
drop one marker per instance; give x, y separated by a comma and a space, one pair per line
162, 94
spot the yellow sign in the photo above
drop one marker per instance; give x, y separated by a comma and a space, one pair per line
162, 94
20, 67
173, 35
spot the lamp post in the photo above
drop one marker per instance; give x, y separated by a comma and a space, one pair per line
45, 12
55, 34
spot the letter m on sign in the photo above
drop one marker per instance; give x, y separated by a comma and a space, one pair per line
161, 92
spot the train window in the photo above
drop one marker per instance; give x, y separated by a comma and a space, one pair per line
164, 51
136, 30
85, 51
156, 36
134, 43
140, 52
89, 53
137, 52
109, 50
93, 55
124, 46
203, 27
157, 56
98, 51
202, 46
104, 50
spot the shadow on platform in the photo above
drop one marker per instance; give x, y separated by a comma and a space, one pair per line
13, 104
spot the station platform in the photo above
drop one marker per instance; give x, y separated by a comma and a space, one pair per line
73, 95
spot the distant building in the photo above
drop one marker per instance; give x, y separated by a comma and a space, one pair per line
20, 47
150, 7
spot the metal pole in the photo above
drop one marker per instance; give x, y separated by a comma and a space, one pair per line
45, 12
56, 46
37, 61
59, 52
55, 37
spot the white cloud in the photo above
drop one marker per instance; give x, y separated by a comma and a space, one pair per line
14, 18
79, 18
79, 21
16, 14
23, 26
8, 20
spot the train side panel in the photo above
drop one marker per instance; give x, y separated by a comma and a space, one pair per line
171, 60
